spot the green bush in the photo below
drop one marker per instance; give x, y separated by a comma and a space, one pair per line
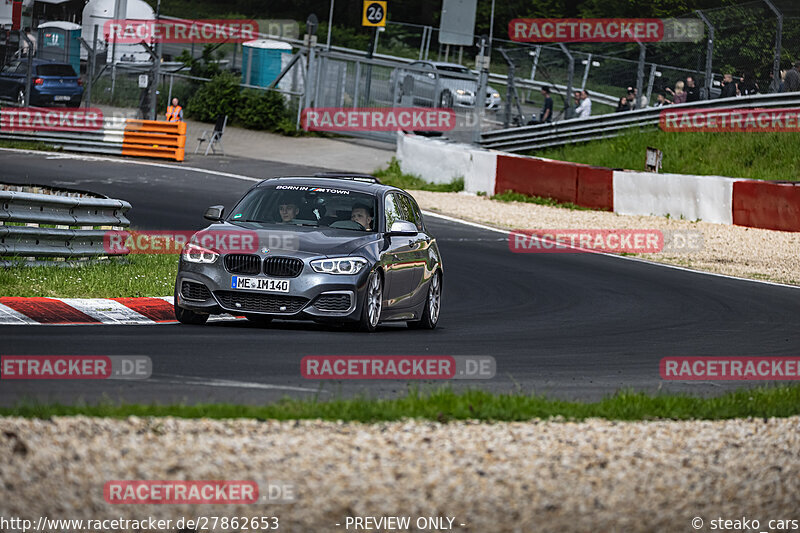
261, 110
220, 96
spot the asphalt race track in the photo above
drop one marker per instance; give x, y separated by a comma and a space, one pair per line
569, 325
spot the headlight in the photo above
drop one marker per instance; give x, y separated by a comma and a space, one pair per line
495, 95
339, 265
461, 91
197, 254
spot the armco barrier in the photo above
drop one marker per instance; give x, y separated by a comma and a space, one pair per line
761, 204
119, 136
537, 177
707, 198
81, 222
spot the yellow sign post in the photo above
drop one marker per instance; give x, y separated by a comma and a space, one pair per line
374, 13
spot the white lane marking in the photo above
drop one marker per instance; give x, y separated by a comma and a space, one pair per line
107, 311
77, 157
10, 317
627, 258
226, 383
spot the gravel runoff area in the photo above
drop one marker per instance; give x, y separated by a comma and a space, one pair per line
527, 476
731, 250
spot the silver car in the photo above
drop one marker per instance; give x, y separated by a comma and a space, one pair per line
341, 248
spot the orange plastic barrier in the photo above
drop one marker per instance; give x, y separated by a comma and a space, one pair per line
761, 204
152, 138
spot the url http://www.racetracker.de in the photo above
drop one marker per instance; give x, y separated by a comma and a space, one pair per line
198, 523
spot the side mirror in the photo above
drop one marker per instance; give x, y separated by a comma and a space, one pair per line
214, 213
403, 228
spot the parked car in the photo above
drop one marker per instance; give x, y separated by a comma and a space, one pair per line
51, 83
436, 84
340, 248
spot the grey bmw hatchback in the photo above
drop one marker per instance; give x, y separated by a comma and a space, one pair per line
329, 247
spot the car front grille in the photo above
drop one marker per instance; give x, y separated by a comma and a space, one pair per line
260, 303
195, 291
333, 302
242, 264
283, 267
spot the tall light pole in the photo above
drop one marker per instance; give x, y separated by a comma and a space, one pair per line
491, 29
330, 25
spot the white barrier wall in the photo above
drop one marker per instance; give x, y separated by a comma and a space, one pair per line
708, 198
441, 162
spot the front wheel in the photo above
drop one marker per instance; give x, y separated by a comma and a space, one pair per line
433, 304
373, 303
186, 316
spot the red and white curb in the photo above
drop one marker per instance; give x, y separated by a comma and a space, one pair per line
16, 311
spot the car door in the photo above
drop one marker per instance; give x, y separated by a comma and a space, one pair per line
398, 258
419, 245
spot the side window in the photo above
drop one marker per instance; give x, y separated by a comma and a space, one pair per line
413, 211
9, 69
393, 209
22, 68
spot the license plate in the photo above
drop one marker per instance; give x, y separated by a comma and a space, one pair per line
260, 284
62, 98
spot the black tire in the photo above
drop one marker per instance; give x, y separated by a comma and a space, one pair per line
186, 316
433, 305
373, 303
259, 320
446, 99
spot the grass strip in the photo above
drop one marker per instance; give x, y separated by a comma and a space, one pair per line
511, 196
768, 156
392, 175
444, 405
138, 275
28, 145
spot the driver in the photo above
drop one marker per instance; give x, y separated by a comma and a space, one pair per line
288, 210
363, 215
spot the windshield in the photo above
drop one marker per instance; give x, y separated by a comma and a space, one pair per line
306, 205
460, 70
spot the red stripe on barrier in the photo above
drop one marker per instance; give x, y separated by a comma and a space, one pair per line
761, 204
595, 188
537, 177
155, 309
47, 310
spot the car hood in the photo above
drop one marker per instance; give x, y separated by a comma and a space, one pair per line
299, 241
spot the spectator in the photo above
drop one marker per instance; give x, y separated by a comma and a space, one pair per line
776, 86
661, 101
623, 105
679, 95
748, 85
791, 82
584, 109
634, 101
729, 87
692, 93
546, 115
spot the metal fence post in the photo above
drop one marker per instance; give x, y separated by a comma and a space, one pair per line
640, 76
650, 81
586, 71
26, 101
568, 110
776, 67
89, 68
483, 80
709, 53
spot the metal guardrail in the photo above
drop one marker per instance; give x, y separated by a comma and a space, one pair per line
80, 225
576, 130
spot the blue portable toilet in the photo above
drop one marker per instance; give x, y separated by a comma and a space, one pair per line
60, 41
263, 60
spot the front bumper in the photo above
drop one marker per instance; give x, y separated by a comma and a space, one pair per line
311, 295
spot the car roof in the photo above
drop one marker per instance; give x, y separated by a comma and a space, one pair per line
446, 64
333, 181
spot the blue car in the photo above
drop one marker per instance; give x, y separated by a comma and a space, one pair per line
51, 83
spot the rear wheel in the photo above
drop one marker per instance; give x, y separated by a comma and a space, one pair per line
373, 303
433, 304
446, 99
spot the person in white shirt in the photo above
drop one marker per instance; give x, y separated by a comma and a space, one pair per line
585, 107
